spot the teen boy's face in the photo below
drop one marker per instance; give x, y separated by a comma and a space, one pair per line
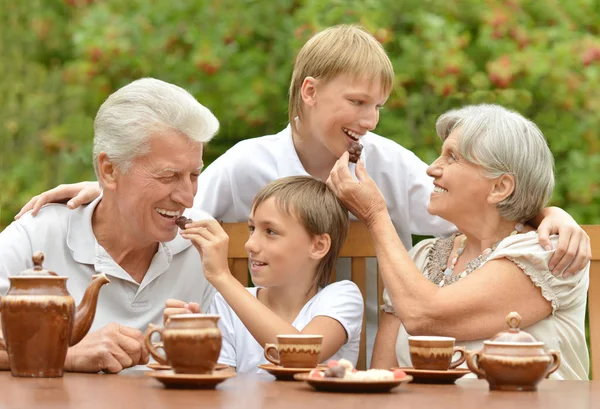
343, 110
278, 248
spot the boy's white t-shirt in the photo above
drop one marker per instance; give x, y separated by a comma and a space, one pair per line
341, 301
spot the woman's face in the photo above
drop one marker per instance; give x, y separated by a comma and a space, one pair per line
461, 188
159, 186
340, 111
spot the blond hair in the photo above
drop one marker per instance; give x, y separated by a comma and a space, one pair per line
317, 208
338, 50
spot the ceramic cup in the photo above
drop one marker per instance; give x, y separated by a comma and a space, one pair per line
295, 350
434, 353
191, 343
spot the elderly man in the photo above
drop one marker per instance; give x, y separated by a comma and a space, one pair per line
148, 140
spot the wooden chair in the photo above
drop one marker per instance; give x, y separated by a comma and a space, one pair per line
594, 299
358, 247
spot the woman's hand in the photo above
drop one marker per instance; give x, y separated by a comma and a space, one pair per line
363, 198
213, 244
79, 193
573, 248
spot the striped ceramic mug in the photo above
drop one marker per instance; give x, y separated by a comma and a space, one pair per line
295, 350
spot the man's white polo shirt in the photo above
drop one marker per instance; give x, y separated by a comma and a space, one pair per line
70, 249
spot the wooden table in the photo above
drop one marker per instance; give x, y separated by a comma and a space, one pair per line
132, 389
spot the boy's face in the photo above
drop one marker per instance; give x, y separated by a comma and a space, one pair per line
341, 111
279, 248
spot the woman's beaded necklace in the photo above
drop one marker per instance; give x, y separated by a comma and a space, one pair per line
449, 271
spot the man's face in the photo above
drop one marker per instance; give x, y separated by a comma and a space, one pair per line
343, 111
159, 186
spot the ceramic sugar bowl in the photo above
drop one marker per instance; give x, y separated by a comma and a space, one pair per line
513, 360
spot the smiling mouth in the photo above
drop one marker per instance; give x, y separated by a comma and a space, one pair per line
256, 264
168, 214
351, 134
438, 189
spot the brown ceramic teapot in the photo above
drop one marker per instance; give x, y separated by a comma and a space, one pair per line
513, 360
39, 321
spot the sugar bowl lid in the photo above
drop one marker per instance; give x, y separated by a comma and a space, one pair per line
514, 334
37, 270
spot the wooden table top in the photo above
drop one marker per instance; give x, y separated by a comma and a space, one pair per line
133, 389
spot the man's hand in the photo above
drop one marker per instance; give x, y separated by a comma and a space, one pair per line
110, 349
573, 248
173, 307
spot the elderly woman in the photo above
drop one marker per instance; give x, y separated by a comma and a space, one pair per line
495, 172
148, 140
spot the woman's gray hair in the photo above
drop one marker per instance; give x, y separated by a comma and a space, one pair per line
129, 116
504, 142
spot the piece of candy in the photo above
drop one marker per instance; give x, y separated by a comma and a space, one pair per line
354, 150
181, 221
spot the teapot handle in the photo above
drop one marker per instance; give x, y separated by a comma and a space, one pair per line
473, 364
555, 361
151, 348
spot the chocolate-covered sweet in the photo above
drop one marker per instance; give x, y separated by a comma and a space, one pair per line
355, 150
181, 221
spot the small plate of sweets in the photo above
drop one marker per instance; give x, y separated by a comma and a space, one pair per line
341, 376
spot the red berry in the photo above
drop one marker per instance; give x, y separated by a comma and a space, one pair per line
315, 373
331, 363
399, 374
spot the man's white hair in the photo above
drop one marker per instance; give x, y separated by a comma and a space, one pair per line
129, 116
504, 142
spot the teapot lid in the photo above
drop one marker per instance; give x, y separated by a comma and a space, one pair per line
514, 334
37, 270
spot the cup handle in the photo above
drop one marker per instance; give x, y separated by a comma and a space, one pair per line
151, 330
460, 359
473, 364
270, 358
555, 362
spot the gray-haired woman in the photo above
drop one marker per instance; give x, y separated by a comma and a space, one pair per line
495, 172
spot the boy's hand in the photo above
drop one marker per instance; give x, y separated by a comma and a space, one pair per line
173, 307
573, 250
213, 244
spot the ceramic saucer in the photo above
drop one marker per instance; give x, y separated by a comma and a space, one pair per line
160, 367
287, 374
432, 376
352, 386
198, 381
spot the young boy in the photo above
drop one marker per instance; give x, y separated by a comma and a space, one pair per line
297, 229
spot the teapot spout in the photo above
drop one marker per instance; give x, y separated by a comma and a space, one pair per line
87, 308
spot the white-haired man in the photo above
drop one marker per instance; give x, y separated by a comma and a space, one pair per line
148, 140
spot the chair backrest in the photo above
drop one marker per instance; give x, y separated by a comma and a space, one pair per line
358, 247
594, 298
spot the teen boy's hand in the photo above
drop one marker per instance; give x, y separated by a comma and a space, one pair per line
213, 243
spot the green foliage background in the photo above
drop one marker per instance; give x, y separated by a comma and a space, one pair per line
59, 59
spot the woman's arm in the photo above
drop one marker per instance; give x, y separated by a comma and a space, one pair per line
473, 308
384, 350
264, 325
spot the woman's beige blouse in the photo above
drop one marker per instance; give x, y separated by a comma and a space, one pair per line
563, 330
